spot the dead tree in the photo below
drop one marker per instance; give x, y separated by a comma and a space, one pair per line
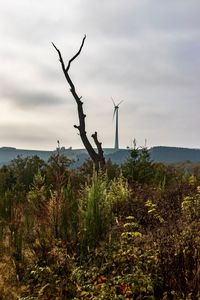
97, 157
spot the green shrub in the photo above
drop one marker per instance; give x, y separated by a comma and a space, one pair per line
96, 214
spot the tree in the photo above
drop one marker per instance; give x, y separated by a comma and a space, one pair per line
139, 166
97, 157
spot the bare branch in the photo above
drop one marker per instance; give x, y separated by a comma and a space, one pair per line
77, 54
97, 158
77, 127
60, 57
99, 148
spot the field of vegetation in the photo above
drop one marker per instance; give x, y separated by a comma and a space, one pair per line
128, 232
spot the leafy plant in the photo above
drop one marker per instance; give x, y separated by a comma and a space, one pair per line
96, 214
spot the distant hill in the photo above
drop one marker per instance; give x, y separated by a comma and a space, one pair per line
158, 153
7, 154
174, 154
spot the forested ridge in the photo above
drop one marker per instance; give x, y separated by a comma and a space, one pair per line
158, 153
127, 232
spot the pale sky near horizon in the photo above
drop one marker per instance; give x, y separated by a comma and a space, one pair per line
145, 52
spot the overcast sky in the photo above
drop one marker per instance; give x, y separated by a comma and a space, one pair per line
145, 52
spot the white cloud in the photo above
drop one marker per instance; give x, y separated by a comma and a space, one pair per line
143, 51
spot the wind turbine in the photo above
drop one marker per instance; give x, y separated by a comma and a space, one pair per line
115, 114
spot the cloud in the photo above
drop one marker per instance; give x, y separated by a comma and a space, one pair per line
26, 98
26, 134
143, 51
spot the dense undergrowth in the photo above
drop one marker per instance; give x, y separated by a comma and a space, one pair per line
129, 232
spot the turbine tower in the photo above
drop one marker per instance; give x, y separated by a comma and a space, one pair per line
115, 114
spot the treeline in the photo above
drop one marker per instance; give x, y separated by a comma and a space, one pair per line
128, 232
175, 154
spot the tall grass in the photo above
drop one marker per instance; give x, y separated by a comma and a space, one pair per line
69, 218
95, 212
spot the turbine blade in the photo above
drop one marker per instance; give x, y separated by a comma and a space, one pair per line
120, 102
113, 102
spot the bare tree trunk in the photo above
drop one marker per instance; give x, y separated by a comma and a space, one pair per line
97, 157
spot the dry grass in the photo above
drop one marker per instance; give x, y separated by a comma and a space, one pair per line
8, 278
